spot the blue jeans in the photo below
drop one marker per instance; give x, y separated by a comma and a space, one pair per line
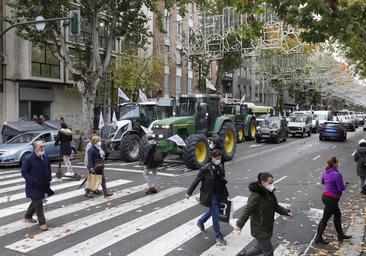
214, 212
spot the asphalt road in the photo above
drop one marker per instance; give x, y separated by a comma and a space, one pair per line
131, 223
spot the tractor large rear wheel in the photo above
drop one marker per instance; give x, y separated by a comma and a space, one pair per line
252, 130
130, 147
227, 136
197, 152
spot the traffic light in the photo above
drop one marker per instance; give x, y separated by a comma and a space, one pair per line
75, 25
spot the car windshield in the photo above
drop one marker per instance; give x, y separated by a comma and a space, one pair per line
331, 125
271, 123
297, 119
321, 116
23, 138
128, 111
187, 107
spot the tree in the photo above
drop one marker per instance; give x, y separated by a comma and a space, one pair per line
134, 73
120, 18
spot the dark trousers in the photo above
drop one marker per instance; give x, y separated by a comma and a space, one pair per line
36, 207
331, 208
261, 247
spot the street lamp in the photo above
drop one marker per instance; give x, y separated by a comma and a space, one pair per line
41, 25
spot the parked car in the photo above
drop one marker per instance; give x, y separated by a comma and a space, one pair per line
333, 130
14, 151
349, 125
273, 129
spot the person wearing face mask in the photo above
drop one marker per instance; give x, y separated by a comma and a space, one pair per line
213, 190
333, 188
96, 155
261, 208
36, 170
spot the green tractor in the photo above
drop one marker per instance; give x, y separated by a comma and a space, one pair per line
198, 119
245, 122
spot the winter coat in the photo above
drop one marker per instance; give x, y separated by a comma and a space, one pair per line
37, 175
360, 157
150, 160
261, 208
206, 176
94, 157
64, 138
333, 182
86, 154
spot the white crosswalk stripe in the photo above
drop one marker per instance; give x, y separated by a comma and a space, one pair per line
13, 197
69, 228
7, 176
175, 238
160, 245
56, 198
2, 172
18, 180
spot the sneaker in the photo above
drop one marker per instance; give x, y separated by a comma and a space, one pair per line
43, 227
69, 174
154, 191
321, 240
107, 194
30, 220
201, 227
149, 191
221, 241
344, 237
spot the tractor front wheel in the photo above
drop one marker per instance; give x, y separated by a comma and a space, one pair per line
227, 136
240, 134
130, 147
197, 152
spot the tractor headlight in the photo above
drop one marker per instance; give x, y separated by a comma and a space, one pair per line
161, 136
165, 126
156, 126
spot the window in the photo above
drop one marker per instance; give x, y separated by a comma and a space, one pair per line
44, 63
166, 21
179, 31
79, 58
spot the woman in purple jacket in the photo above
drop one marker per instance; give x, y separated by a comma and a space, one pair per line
333, 188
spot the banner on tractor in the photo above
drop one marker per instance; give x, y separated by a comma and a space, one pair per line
178, 140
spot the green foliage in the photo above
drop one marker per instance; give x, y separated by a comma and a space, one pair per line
134, 73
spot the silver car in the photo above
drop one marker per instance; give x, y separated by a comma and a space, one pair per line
14, 151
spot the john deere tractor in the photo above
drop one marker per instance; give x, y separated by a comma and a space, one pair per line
245, 121
198, 119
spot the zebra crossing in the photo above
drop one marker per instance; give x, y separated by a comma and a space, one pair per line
69, 214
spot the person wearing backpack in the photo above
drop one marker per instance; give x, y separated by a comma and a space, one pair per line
152, 161
360, 158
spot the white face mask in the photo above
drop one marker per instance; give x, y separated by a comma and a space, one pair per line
212, 146
40, 153
99, 143
270, 187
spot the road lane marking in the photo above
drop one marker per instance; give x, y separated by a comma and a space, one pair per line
72, 227
9, 171
256, 145
59, 212
356, 230
10, 176
316, 157
13, 197
125, 170
116, 234
334, 146
178, 236
276, 181
8, 182
21, 186
55, 198
354, 152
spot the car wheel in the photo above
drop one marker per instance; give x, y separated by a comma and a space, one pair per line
302, 134
258, 139
309, 133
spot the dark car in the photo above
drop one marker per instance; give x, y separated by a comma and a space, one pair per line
333, 130
349, 126
273, 129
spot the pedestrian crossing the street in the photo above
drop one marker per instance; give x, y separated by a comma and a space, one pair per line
70, 214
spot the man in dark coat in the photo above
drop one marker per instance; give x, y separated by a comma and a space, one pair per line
36, 171
213, 190
64, 138
152, 161
360, 157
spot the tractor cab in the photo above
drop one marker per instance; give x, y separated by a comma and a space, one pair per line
204, 108
139, 113
240, 111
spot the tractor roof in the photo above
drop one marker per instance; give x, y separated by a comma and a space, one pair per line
149, 103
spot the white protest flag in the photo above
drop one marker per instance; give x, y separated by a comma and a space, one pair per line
142, 96
122, 95
178, 140
114, 120
209, 85
243, 99
101, 121
297, 107
226, 99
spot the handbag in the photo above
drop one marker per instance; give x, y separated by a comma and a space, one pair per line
224, 211
93, 181
99, 168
